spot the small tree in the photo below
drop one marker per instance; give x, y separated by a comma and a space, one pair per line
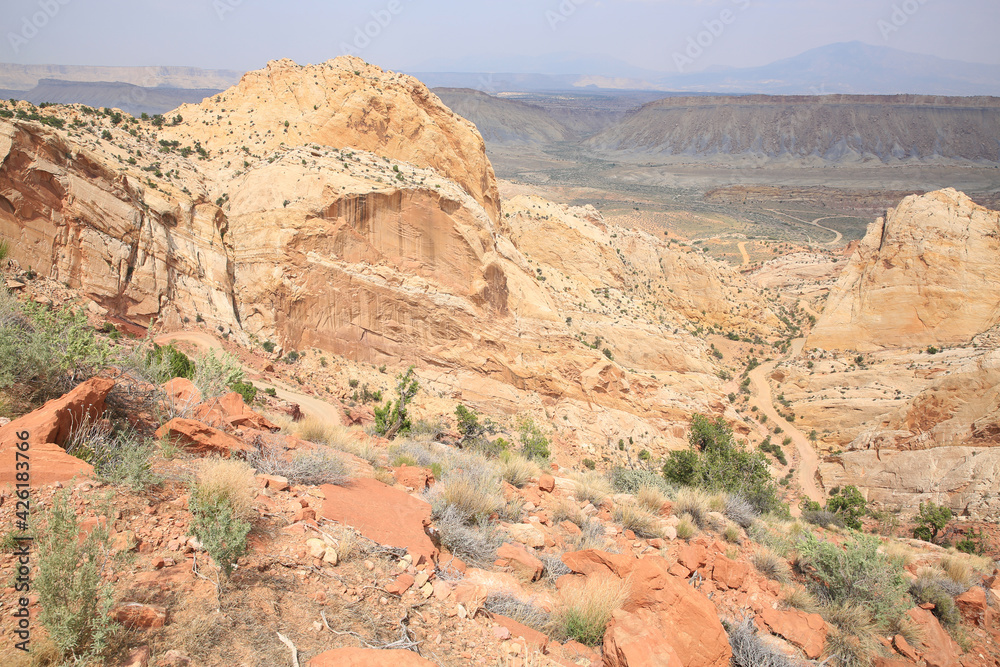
392, 418
849, 505
534, 444
468, 423
931, 520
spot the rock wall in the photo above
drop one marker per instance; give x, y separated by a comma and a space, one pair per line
928, 273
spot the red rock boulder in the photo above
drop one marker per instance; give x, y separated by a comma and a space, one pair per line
383, 514
47, 429
230, 411
806, 631
413, 477
974, 607
522, 563
635, 639
198, 438
936, 645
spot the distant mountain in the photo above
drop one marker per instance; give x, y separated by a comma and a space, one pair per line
132, 99
848, 68
26, 77
831, 128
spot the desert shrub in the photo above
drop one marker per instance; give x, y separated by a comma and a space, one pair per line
521, 611
74, 602
393, 418
639, 520
45, 351
316, 431
117, 452
975, 541
716, 463
534, 443
931, 520
740, 511
220, 503
592, 536
770, 564
586, 608
311, 468
216, 375
849, 504
554, 567
591, 486
475, 543
749, 650
473, 497
516, 469
628, 480
932, 589
469, 426
857, 573
822, 518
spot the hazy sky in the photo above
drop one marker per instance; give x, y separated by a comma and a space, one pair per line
418, 35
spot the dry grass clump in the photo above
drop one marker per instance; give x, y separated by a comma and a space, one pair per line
312, 468
472, 499
586, 607
522, 611
348, 544
695, 503
770, 564
634, 517
732, 533
898, 553
317, 431
802, 599
748, 648
855, 639
229, 480
686, 527
591, 486
517, 470
961, 568
652, 498
565, 510
592, 536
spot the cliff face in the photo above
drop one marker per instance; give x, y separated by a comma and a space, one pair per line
324, 238
926, 274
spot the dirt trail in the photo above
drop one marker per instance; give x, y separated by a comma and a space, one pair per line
742, 245
808, 459
310, 405
815, 223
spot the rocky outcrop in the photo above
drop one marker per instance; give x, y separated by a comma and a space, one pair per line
46, 431
343, 103
925, 274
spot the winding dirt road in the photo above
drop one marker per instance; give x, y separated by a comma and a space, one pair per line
761, 397
815, 223
310, 405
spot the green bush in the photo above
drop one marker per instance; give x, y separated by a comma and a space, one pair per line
627, 480
931, 519
392, 419
220, 531
974, 542
848, 504
857, 573
46, 351
716, 463
246, 390
468, 423
74, 602
534, 444
177, 364
217, 375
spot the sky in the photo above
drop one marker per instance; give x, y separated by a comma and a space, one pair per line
473, 35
